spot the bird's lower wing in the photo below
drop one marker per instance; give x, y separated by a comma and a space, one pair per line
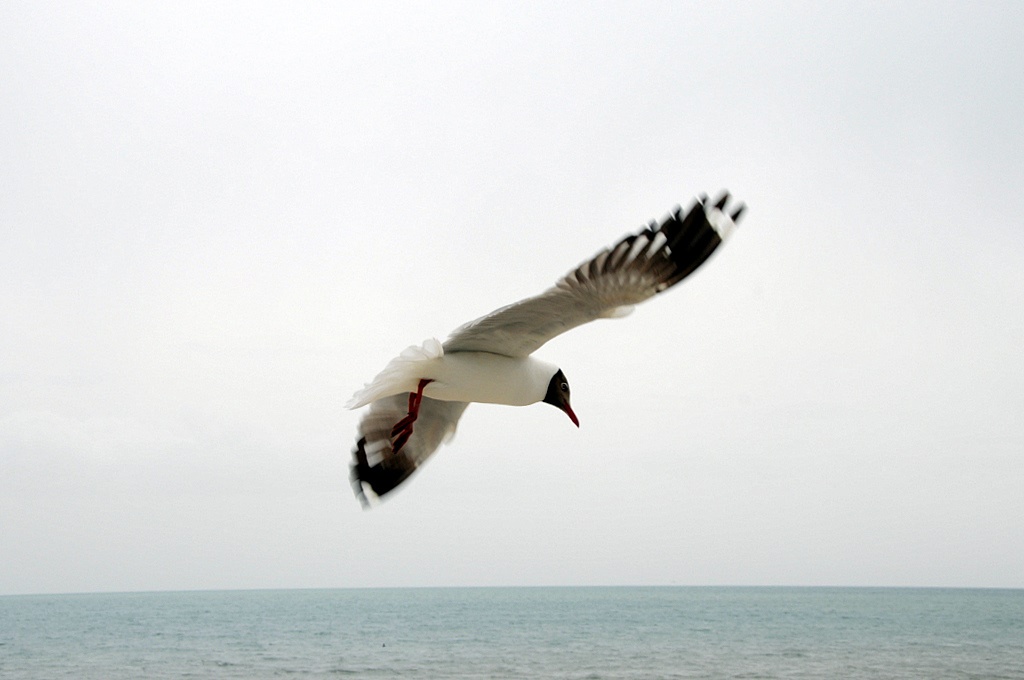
375, 465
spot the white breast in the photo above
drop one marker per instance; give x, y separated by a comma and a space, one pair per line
489, 378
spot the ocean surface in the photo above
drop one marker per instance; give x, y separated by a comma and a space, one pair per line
663, 632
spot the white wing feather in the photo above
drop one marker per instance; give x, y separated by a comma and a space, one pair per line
606, 286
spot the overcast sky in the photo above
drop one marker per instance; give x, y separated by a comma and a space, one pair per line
217, 221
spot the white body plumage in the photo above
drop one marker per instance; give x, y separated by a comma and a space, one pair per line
481, 377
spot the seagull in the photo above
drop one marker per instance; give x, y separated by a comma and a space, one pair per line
417, 400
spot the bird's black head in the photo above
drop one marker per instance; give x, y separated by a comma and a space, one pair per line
558, 395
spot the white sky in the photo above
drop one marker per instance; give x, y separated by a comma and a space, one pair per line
217, 222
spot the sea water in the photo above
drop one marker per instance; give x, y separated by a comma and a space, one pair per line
617, 632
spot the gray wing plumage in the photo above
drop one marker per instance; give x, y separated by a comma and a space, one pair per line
375, 463
636, 268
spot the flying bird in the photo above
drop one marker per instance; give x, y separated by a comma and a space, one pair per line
417, 400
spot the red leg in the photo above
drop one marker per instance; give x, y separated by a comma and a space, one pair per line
401, 440
414, 408
403, 428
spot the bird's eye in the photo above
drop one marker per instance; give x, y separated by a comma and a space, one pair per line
565, 387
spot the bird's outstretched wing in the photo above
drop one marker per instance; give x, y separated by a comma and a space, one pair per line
638, 267
374, 461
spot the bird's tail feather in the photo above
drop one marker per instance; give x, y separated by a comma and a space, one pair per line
400, 375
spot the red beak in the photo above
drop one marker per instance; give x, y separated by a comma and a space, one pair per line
572, 416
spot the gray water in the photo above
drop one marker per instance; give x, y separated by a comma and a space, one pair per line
518, 633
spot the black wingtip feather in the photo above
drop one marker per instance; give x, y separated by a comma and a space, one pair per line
381, 478
691, 239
